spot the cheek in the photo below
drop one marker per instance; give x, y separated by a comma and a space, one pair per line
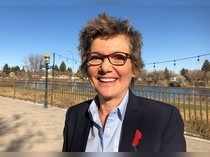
91, 72
128, 72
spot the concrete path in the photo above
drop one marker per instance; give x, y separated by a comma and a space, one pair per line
27, 127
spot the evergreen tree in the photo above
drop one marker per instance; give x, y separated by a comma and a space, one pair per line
62, 67
70, 70
184, 72
206, 69
206, 66
6, 69
166, 74
15, 69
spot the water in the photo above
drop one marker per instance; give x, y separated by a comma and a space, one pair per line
173, 90
138, 89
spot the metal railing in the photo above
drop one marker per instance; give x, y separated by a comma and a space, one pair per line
193, 103
62, 94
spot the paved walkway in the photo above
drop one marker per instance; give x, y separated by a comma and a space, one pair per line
25, 126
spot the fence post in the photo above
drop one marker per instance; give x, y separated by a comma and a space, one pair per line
184, 107
35, 92
52, 92
189, 103
14, 88
62, 94
201, 117
207, 110
178, 102
194, 102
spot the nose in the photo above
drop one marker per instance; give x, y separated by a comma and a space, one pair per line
106, 66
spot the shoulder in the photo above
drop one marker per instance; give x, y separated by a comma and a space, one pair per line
155, 109
154, 104
78, 109
158, 115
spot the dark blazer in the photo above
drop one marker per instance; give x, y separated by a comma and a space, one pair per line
160, 124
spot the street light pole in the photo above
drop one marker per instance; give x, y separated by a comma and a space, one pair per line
52, 84
46, 85
47, 61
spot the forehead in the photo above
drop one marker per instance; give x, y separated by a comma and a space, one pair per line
116, 43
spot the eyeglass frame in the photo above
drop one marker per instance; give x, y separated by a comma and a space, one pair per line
127, 56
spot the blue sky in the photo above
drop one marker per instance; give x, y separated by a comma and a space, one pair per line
170, 30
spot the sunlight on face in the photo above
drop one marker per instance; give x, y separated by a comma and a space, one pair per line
108, 80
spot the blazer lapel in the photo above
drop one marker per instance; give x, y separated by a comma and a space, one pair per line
133, 120
82, 131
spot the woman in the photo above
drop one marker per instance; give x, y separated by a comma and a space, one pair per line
117, 120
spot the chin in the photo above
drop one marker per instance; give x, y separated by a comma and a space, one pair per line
106, 94
110, 93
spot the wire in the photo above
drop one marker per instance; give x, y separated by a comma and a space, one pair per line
174, 61
66, 58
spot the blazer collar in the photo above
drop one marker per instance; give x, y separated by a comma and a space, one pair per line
83, 125
132, 122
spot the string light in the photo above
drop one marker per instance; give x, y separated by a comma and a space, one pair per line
71, 61
66, 58
174, 61
198, 59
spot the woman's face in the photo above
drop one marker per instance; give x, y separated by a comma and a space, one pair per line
110, 81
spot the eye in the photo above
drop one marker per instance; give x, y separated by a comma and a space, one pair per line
94, 57
119, 56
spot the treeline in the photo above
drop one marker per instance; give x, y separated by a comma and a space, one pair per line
198, 77
62, 68
186, 77
7, 69
34, 69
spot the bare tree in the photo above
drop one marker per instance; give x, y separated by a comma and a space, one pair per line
196, 76
33, 62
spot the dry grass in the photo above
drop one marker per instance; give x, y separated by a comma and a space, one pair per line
61, 99
198, 127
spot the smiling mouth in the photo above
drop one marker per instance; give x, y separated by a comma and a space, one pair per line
107, 80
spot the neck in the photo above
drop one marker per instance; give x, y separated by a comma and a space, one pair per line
108, 105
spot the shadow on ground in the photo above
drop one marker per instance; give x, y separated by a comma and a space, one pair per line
16, 135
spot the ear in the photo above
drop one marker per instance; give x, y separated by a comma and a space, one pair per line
135, 72
133, 75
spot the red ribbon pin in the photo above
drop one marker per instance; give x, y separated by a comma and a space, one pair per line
137, 138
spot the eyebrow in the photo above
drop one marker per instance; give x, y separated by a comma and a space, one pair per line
100, 53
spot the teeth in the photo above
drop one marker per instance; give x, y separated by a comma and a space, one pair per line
107, 79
